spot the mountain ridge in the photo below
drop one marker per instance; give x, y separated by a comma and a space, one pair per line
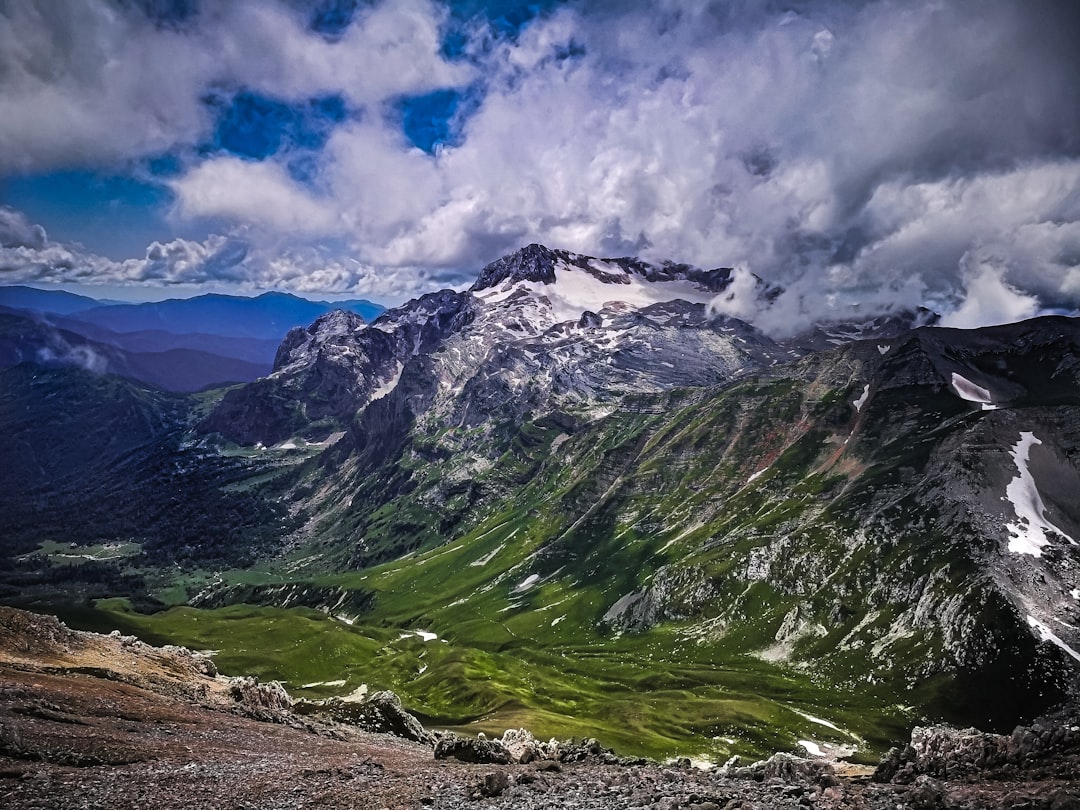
178, 368
534, 469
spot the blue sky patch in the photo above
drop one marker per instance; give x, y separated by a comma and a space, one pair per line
332, 17
255, 126
116, 216
507, 17
434, 119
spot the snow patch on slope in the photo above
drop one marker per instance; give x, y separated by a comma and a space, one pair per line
482, 561
422, 634
1046, 634
1029, 534
819, 721
969, 391
684, 533
387, 386
527, 583
858, 403
314, 684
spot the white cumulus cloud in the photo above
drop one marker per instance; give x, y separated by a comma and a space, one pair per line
863, 156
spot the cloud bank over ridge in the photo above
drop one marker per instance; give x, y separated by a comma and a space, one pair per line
862, 155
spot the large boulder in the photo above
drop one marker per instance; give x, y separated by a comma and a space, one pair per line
383, 713
263, 701
791, 769
379, 713
472, 749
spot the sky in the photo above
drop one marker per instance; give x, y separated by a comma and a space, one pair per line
864, 156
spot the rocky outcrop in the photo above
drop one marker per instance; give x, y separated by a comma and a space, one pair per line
944, 752
475, 750
789, 769
531, 263
262, 701
519, 747
378, 713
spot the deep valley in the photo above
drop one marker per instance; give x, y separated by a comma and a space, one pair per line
575, 500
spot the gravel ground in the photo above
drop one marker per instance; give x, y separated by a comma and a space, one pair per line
107, 722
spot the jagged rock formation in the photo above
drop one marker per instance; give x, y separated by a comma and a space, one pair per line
537, 328
944, 752
327, 372
473, 750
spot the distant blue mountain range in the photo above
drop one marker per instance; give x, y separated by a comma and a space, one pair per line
267, 317
178, 345
57, 302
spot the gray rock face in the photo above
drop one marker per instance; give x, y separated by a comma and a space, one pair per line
325, 373
531, 263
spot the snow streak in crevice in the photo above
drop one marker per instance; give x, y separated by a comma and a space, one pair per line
1029, 534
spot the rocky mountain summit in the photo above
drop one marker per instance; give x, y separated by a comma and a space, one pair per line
538, 263
107, 720
539, 328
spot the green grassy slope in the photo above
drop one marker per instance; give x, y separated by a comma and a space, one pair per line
702, 573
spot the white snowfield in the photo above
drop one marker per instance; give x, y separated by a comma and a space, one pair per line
820, 722
969, 391
482, 561
1029, 534
389, 385
576, 291
323, 683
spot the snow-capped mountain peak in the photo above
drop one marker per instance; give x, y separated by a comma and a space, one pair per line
573, 284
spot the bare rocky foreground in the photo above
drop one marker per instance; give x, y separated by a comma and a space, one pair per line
106, 721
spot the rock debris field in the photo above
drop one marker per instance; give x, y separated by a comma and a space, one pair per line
90, 721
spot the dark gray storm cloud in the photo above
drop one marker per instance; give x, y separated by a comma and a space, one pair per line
16, 231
